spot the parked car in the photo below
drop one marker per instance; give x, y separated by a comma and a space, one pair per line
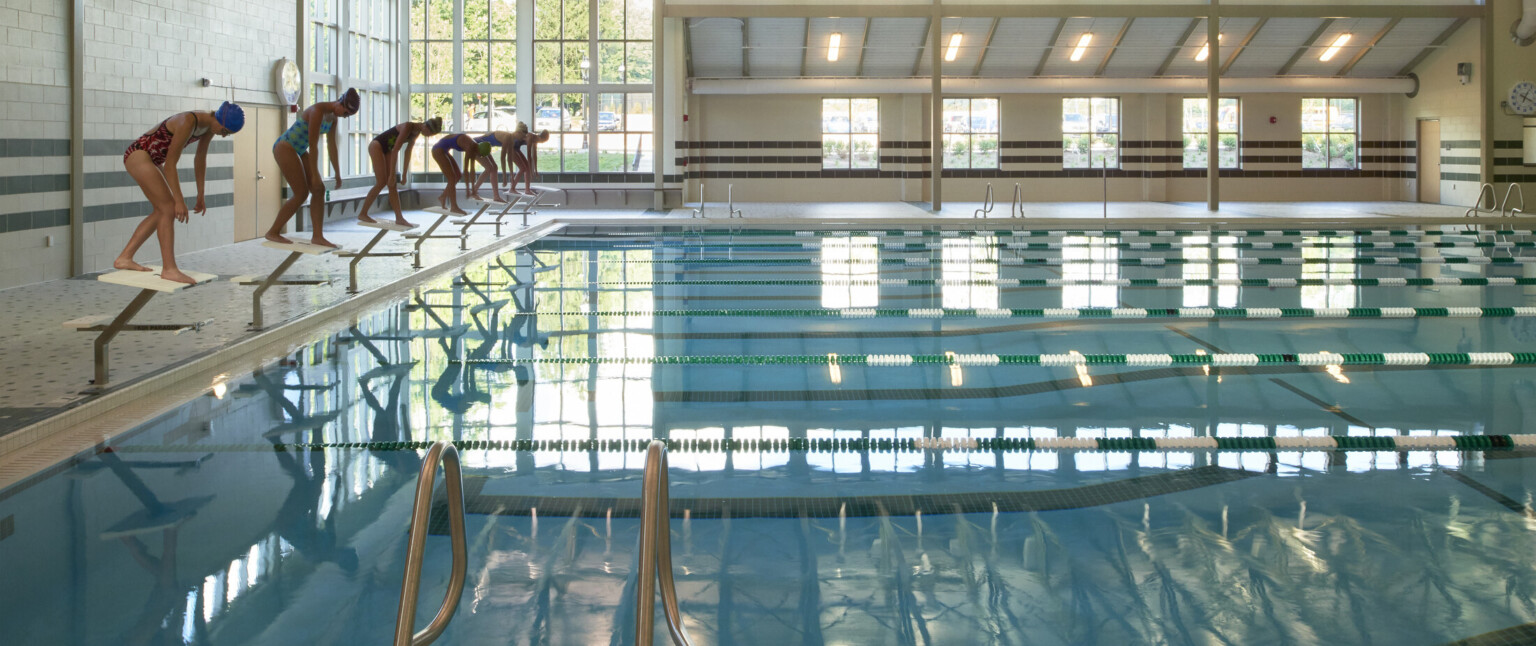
504, 118
607, 121
549, 118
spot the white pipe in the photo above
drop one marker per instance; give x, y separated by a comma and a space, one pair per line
1050, 85
1524, 29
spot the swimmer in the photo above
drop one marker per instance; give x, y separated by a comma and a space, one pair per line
295, 152
384, 150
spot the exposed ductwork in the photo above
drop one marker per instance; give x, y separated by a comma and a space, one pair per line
922, 85
1523, 32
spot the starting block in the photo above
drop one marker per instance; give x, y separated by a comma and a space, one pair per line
263, 283
442, 216
358, 256
149, 283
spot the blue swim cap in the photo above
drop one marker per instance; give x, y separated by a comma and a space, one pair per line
230, 116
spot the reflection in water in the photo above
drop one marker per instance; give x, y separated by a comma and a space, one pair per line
1104, 265
1320, 296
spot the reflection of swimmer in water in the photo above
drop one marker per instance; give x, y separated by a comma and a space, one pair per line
443, 389
298, 519
387, 418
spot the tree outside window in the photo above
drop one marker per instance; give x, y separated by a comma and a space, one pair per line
970, 133
1330, 133
1197, 134
850, 133
1090, 132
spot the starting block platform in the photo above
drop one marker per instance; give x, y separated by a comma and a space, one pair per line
149, 283
263, 283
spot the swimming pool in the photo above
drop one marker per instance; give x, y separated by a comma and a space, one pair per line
1011, 437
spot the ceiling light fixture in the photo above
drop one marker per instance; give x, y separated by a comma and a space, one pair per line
1205, 50
833, 45
1334, 48
1082, 46
954, 48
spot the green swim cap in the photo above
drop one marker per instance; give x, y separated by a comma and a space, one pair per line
485, 149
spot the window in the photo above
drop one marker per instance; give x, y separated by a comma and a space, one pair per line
1329, 133
565, 117
850, 133
423, 107
432, 42
970, 133
624, 132
1197, 134
1103, 265
562, 32
571, 63
1326, 295
1198, 258
624, 41
1090, 132
353, 48
850, 269
970, 273
490, 42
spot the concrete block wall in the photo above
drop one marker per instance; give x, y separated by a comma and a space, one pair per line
1459, 108
143, 60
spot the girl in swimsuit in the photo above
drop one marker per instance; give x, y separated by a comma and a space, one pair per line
151, 160
489, 161
440, 153
295, 152
527, 164
384, 150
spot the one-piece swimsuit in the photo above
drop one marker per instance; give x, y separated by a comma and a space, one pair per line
297, 134
157, 142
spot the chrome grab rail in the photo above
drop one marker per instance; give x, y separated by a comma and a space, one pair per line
730, 203
656, 553
1510, 212
1493, 202
1016, 207
986, 204
405, 619
699, 212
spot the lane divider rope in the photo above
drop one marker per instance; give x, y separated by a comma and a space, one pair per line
1049, 246
1066, 282
1226, 313
998, 444
1145, 233
1319, 359
1012, 262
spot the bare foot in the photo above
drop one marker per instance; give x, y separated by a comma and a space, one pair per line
364, 218
458, 211
277, 238
403, 223
128, 263
322, 242
442, 200
175, 275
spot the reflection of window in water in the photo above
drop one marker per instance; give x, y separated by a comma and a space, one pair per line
845, 261
896, 460
834, 461
1197, 255
759, 460
970, 273
1104, 266
1318, 296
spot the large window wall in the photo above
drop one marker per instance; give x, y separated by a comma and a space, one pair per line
584, 68
351, 43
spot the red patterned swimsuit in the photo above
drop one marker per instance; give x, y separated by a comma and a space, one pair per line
156, 143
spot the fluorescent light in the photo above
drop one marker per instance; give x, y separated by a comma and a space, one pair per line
1082, 45
1334, 48
1205, 50
954, 48
832, 47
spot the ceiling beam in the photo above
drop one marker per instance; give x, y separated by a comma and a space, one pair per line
1113, 45
922, 49
1301, 51
1178, 46
805, 54
1045, 56
1430, 49
1238, 51
863, 48
1344, 71
1068, 10
986, 46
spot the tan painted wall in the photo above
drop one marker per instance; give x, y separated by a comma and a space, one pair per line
1459, 109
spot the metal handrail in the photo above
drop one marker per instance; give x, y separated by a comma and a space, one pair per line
656, 553
1493, 201
730, 202
1016, 207
1513, 188
986, 204
405, 619
699, 212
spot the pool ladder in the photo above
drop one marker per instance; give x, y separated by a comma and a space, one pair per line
405, 619
1015, 207
1495, 205
730, 203
656, 554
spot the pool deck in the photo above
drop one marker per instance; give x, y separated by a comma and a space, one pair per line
48, 365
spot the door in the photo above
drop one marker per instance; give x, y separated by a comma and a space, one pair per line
1429, 160
258, 185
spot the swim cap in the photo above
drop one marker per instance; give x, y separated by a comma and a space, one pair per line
485, 149
434, 125
230, 116
350, 100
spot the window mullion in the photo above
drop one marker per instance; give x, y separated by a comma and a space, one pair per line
591, 81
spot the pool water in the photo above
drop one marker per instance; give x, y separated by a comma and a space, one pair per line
806, 506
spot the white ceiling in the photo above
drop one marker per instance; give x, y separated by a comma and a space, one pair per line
1024, 47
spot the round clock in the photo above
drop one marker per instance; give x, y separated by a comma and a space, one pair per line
1522, 98
287, 82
